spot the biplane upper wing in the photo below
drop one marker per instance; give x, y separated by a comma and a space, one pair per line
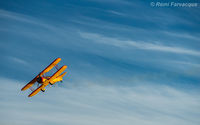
37, 90
48, 68
57, 73
30, 83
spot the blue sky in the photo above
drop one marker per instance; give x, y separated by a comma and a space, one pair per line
128, 62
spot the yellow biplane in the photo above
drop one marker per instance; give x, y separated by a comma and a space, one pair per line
46, 80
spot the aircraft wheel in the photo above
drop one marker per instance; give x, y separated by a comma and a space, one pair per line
43, 90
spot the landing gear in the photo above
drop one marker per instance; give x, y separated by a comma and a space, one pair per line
43, 90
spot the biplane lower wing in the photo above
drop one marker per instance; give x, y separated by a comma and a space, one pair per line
37, 90
30, 84
48, 68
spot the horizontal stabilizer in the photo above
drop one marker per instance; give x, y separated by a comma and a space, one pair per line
58, 79
62, 75
55, 75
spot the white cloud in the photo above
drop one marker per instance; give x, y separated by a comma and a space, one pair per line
182, 35
41, 31
123, 2
116, 13
18, 60
24, 18
140, 45
97, 105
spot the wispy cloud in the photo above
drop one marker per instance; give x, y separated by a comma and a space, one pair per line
97, 104
124, 2
18, 60
182, 35
116, 13
140, 45
35, 29
23, 18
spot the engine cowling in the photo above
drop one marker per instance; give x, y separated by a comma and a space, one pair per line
40, 80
